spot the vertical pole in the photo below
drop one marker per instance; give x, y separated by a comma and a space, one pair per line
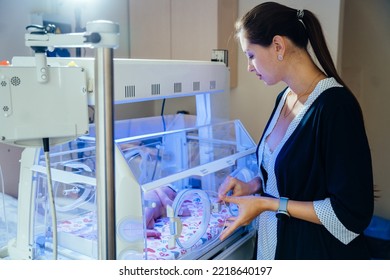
105, 164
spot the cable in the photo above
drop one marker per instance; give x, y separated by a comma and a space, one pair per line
162, 107
158, 149
51, 197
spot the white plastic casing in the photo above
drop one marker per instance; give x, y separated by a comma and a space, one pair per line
30, 110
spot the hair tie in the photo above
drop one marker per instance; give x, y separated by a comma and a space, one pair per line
300, 14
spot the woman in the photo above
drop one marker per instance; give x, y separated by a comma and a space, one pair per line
314, 160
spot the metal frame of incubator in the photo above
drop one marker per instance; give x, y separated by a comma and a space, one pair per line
101, 69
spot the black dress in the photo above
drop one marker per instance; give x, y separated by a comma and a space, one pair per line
325, 158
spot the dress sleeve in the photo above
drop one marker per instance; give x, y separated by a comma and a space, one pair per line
348, 167
330, 221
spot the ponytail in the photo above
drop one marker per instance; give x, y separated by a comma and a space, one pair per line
318, 43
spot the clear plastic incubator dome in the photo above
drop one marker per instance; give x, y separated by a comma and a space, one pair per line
167, 173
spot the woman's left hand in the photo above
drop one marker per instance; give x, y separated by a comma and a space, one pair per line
249, 207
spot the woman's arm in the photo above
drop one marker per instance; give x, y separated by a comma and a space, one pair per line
252, 206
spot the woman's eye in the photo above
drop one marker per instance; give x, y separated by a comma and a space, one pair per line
250, 56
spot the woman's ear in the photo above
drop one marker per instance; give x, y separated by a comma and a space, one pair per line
279, 46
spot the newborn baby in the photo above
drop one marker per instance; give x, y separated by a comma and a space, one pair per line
160, 198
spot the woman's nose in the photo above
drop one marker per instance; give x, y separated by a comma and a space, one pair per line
251, 68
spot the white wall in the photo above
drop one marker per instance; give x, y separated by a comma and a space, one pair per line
366, 69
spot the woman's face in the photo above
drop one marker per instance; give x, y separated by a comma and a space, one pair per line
261, 60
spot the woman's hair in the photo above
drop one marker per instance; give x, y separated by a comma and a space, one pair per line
263, 22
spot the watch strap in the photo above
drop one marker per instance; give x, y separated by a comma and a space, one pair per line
282, 210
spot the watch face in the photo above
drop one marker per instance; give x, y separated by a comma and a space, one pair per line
282, 215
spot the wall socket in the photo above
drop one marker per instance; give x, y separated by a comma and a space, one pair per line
220, 55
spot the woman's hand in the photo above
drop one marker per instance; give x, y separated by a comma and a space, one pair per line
238, 187
249, 207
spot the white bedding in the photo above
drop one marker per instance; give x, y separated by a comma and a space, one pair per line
8, 218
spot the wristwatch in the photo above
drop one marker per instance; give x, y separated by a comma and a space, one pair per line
282, 211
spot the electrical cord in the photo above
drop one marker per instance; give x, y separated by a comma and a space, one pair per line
51, 197
162, 113
158, 149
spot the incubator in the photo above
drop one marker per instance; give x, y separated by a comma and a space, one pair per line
154, 195
170, 156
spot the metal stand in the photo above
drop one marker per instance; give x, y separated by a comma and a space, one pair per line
105, 161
